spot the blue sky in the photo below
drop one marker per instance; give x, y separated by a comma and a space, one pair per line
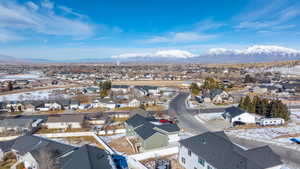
71, 29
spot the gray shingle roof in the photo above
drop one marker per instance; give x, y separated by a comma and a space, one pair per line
146, 130
234, 111
66, 118
29, 143
87, 157
136, 120
220, 152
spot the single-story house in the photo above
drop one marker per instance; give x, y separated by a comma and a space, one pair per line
74, 104
34, 152
235, 115
19, 125
213, 150
65, 121
104, 103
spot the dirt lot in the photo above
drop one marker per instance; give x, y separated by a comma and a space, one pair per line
82, 140
150, 83
121, 145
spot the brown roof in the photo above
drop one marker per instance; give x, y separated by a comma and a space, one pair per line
66, 118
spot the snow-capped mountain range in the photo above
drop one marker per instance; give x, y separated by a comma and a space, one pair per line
256, 50
256, 53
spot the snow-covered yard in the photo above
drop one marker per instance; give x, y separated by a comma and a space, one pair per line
35, 95
277, 135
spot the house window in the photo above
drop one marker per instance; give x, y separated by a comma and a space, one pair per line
183, 160
209, 167
201, 161
189, 152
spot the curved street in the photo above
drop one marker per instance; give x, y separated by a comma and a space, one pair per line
187, 121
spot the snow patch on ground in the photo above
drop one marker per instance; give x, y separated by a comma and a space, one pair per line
47, 94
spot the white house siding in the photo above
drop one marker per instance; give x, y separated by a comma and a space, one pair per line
245, 117
191, 162
173, 137
63, 125
29, 161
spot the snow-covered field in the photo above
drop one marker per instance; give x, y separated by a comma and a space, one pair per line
35, 95
277, 135
29, 76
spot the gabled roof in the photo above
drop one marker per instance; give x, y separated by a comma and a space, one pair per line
87, 157
168, 128
16, 123
5, 146
146, 130
220, 152
66, 118
29, 143
234, 111
136, 120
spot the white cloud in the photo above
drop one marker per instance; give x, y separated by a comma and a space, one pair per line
32, 5
272, 15
180, 37
70, 11
47, 4
6, 35
17, 17
158, 54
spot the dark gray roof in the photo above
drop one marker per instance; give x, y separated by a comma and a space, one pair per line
146, 130
234, 111
29, 143
87, 157
119, 86
136, 120
220, 152
24, 123
66, 118
168, 127
5, 146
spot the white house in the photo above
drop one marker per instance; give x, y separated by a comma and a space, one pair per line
53, 105
134, 103
104, 103
235, 115
214, 150
65, 121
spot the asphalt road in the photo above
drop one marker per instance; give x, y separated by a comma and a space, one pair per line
186, 120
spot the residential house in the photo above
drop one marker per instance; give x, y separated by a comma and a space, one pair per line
86, 157
134, 103
14, 106
214, 150
120, 88
18, 125
104, 103
235, 115
150, 133
74, 105
65, 121
53, 105
32, 106
217, 96
33, 151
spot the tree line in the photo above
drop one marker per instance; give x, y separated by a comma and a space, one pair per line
265, 107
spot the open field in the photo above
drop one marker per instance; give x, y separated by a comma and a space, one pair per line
150, 83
